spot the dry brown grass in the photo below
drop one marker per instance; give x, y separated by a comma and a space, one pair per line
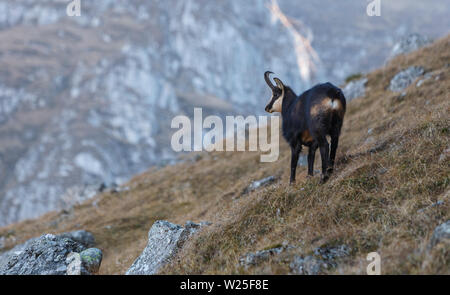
371, 203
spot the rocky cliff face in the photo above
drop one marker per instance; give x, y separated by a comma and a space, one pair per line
89, 100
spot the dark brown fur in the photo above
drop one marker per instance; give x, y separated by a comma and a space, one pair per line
308, 119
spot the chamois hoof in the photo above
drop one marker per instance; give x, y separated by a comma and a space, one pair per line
324, 178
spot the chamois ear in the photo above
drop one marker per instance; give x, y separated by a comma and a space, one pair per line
279, 83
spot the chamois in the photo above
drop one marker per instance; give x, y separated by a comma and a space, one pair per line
307, 120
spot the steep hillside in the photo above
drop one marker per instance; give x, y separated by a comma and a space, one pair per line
87, 100
392, 169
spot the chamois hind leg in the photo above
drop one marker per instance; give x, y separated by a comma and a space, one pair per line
324, 155
295, 152
334, 146
311, 157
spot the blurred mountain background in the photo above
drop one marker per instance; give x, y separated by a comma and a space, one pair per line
86, 102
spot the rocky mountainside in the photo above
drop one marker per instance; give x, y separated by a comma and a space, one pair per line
88, 100
389, 194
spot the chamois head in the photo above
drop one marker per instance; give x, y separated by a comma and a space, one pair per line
276, 101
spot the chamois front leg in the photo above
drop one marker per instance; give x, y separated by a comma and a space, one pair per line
295, 152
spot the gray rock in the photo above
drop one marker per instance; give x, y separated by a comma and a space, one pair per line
80, 193
308, 265
165, 239
91, 259
259, 183
81, 236
369, 140
73, 262
401, 96
18, 249
408, 44
251, 259
331, 254
404, 78
382, 170
75, 266
45, 255
324, 258
425, 78
378, 147
441, 234
444, 156
119, 189
438, 203
193, 227
355, 89
2, 243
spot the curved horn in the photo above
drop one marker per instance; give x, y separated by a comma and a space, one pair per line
267, 78
279, 83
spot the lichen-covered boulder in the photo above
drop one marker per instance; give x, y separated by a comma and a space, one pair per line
53, 254
91, 259
6, 255
81, 236
45, 255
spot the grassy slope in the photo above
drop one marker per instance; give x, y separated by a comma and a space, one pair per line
370, 203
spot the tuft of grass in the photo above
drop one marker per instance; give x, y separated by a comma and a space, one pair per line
353, 77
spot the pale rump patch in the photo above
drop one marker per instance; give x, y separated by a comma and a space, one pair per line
335, 104
325, 105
